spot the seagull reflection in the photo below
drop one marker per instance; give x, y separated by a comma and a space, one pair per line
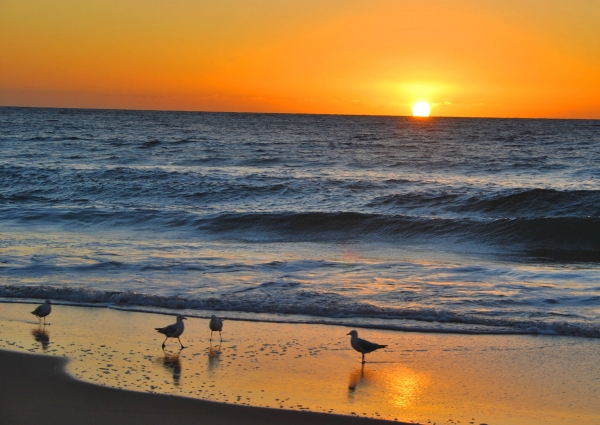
358, 377
42, 336
172, 364
214, 356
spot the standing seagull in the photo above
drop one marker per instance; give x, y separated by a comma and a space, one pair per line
173, 331
42, 310
215, 325
363, 346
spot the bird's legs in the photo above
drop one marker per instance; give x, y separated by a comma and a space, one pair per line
220, 337
182, 347
211, 332
164, 342
363, 360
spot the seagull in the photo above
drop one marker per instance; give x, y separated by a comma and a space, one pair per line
215, 325
42, 310
173, 331
363, 346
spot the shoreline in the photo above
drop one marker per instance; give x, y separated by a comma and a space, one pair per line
419, 378
36, 389
299, 319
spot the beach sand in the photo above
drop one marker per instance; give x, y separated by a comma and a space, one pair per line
35, 390
292, 369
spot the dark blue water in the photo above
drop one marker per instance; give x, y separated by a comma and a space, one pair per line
446, 224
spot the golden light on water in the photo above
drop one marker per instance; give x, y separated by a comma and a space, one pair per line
421, 109
404, 386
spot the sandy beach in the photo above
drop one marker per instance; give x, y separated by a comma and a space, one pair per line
35, 389
262, 370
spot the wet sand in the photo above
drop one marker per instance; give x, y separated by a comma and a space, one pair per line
35, 389
292, 369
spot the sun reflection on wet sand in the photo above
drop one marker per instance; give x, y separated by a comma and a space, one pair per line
400, 386
404, 386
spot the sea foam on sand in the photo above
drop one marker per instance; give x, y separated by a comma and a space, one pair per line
424, 378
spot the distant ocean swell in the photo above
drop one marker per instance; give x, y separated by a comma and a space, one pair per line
225, 189
312, 304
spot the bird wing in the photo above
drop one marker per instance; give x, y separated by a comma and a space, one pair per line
368, 346
167, 330
37, 310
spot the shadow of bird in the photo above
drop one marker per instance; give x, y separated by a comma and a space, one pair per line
214, 356
172, 364
41, 335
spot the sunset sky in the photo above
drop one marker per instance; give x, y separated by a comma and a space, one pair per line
491, 58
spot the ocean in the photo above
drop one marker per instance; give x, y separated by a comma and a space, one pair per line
435, 225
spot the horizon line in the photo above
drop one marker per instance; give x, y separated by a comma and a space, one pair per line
291, 113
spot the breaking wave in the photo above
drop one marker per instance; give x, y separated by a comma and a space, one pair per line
313, 306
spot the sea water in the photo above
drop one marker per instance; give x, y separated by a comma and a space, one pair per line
438, 224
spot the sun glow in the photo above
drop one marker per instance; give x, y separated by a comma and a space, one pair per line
421, 109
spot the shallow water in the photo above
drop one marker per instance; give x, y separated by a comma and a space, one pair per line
463, 225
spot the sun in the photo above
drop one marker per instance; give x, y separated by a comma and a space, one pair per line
421, 109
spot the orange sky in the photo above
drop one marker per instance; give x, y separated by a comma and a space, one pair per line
500, 58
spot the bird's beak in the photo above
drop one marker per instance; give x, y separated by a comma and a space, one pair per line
185, 318
348, 333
